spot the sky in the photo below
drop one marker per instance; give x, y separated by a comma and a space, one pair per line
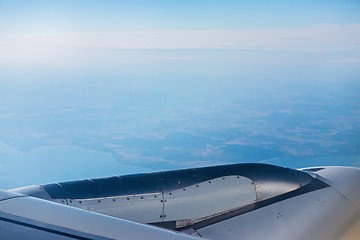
66, 34
129, 86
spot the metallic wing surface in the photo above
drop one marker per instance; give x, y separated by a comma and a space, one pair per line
24, 217
238, 201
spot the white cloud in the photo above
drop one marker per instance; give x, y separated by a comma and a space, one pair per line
237, 141
57, 47
6, 115
133, 156
209, 150
345, 60
39, 135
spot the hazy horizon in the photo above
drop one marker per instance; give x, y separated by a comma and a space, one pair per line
108, 88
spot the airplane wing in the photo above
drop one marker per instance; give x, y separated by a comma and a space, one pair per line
24, 217
238, 201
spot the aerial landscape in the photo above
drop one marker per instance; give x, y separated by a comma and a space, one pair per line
110, 88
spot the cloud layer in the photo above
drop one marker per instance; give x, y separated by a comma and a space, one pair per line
20, 47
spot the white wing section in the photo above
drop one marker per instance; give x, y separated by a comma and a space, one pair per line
208, 198
345, 180
175, 199
233, 202
146, 208
296, 218
329, 213
23, 217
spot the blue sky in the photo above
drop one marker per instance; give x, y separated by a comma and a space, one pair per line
81, 36
154, 85
172, 15
257, 39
